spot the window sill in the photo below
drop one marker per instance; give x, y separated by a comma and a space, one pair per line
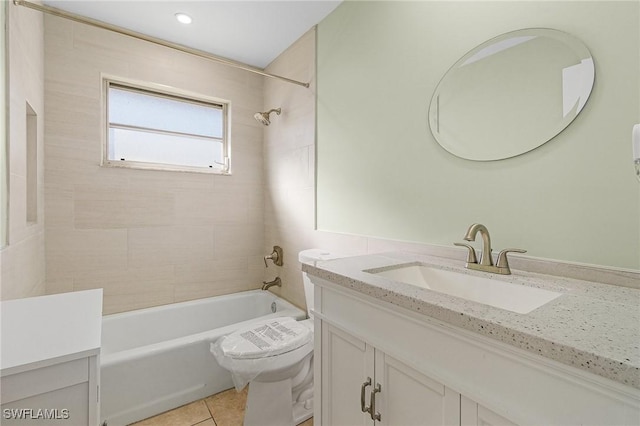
164, 167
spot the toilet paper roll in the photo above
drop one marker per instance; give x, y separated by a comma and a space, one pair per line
635, 140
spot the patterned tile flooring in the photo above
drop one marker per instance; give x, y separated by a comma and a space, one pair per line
222, 409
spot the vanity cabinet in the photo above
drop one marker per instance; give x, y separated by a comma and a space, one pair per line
474, 414
49, 363
433, 373
64, 393
362, 385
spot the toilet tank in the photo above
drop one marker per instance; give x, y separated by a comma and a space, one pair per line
311, 256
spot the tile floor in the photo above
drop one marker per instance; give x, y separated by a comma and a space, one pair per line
222, 409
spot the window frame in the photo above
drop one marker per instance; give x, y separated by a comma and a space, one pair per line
172, 93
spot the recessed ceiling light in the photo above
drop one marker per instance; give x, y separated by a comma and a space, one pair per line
183, 18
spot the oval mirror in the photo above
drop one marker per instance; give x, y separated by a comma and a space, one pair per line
511, 94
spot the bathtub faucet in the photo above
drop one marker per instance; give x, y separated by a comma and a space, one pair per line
276, 256
267, 285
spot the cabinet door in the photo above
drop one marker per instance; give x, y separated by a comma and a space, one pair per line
346, 364
474, 414
409, 398
60, 394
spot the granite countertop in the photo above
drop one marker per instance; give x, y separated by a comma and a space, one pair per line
593, 327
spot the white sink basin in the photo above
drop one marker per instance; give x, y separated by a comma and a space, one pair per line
512, 297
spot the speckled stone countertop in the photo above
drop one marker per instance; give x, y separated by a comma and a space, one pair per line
594, 327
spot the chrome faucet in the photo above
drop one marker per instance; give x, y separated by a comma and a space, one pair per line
267, 285
486, 259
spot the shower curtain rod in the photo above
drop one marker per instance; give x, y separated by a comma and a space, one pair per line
99, 24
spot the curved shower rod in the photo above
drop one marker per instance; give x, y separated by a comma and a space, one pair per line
105, 26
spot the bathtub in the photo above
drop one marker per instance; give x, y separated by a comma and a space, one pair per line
156, 359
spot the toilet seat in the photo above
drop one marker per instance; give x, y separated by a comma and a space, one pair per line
266, 338
251, 367
243, 352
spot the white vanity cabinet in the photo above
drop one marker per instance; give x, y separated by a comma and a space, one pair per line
432, 373
359, 383
50, 370
474, 414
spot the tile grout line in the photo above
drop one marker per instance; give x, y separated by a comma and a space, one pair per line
209, 409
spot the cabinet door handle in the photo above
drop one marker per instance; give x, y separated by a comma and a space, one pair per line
363, 408
372, 410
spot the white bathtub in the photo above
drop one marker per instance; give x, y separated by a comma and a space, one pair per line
156, 359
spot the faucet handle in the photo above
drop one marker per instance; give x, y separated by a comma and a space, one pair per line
276, 256
503, 262
471, 256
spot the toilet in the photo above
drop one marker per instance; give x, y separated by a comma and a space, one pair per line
275, 357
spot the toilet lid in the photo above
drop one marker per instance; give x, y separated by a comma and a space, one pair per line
266, 338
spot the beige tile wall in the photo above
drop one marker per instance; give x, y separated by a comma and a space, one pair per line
289, 157
22, 261
146, 237
289, 147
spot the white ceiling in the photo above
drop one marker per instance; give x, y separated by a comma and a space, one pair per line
252, 32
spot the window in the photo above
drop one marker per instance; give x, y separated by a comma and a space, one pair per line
159, 130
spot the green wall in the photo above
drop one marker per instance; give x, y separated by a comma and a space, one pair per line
381, 173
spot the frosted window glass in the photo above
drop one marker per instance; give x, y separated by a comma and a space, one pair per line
162, 129
148, 111
132, 145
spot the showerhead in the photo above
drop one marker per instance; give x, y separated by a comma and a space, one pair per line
263, 117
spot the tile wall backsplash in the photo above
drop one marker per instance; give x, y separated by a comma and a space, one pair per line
147, 237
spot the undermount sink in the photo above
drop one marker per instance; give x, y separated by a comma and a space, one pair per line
512, 297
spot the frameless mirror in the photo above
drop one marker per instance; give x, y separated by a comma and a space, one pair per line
511, 94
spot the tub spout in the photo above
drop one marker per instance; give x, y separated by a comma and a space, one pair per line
266, 285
